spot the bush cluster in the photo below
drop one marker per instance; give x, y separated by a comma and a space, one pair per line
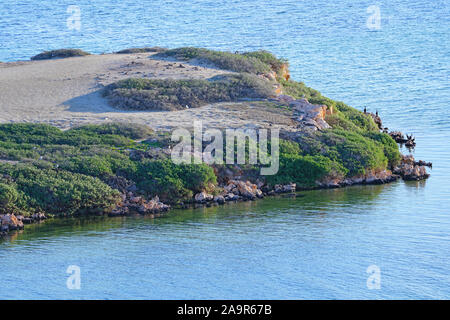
142, 50
69, 172
250, 62
60, 53
169, 94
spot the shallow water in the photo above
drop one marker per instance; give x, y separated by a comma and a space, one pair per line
317, 245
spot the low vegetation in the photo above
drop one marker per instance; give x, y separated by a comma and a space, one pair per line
142, 50
60, 53
251, 62
75, 171
157, 94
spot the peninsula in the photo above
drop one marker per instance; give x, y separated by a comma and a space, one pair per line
84, 134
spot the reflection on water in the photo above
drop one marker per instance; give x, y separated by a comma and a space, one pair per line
318, 244
309, 202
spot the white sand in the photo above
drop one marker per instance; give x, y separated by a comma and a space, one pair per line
66, 93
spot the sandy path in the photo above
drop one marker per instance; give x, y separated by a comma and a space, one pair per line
66, 93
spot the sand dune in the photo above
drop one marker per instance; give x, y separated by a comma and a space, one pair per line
67, 92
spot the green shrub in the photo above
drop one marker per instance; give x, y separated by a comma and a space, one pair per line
251, 62
305, 171
356, 153
339, 121
390, 147
171, 181
60, 192
128, 130
60, 53
196, 177
268, 58
89, 165
289, 147
169, 94
142, 50
8, 195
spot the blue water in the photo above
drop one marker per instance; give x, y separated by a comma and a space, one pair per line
315, 246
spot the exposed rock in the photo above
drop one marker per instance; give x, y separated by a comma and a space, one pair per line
231, 197
409, 169
377, 120
136, 200
121, 184
271, 76
246, 190
9, 222
219, 199
203, 197
380, 177
139, 205
398, 137
308, 114
285, 72
279, 188
38, 216
285, 98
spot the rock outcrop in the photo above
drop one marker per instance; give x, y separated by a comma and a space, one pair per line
9, 222
305, 114
132, 204
245, 190
203, 197
410, 169
377, 120
379, 177
287, 188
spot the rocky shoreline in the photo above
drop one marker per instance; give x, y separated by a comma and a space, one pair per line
11, 222
233, 191
341, 146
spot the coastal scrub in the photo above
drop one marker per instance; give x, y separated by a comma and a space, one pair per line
60, 53
170, 94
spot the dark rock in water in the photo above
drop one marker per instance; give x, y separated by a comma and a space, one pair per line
379, 177
285, 188
398, 137
409, 169
203, 197
138, 205
219, 199
423, 163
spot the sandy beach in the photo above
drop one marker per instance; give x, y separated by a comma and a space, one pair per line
67, 93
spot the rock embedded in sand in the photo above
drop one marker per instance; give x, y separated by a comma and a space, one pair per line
306, 114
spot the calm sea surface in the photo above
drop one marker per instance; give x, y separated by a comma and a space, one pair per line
317, 245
